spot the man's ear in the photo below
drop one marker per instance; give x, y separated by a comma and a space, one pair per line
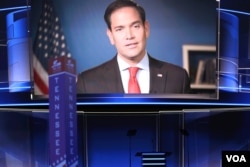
147, 28
110, 35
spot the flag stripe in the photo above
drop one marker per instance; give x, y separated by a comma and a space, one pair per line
40, 78
40, 84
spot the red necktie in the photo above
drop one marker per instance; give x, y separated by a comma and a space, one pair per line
133, 86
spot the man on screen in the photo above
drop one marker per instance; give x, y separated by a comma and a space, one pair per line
133, 69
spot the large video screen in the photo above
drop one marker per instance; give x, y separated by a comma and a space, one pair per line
174, 46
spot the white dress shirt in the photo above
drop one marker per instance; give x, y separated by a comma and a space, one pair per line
142, 74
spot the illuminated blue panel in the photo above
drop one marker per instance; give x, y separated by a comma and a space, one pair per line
229, 52
18, 50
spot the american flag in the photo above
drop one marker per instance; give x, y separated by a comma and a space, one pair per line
49, 42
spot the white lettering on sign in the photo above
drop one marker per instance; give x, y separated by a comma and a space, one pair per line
57, 115
236, 158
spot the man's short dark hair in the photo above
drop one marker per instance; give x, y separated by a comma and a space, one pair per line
117, 4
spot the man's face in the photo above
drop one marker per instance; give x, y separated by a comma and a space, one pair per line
128, 34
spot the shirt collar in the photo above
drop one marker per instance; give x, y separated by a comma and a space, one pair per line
143, 64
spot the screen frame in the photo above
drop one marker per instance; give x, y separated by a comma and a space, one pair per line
132, 99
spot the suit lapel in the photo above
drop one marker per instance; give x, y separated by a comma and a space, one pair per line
157, 76
113, 76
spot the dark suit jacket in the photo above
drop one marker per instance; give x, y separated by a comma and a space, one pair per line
106, 78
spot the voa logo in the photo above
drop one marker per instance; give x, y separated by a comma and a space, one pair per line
236, 158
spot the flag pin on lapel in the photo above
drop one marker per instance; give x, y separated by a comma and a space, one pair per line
159, 75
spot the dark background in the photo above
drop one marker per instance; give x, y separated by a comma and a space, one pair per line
193, 138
